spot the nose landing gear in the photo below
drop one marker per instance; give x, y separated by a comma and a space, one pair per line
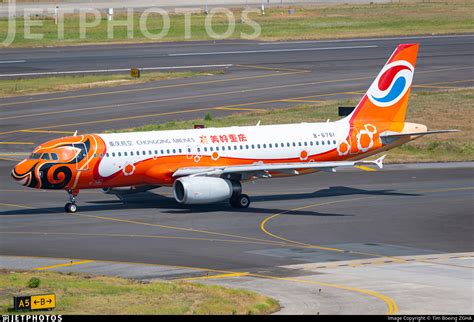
71, 206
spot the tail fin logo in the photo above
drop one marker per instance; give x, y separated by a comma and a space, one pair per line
391, 84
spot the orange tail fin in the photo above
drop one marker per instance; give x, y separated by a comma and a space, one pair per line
386, 99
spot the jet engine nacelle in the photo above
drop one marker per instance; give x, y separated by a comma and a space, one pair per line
127, 190
204, 190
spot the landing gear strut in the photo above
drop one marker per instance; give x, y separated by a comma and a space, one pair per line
71, 206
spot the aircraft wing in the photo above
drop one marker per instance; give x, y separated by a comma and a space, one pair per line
262, 169
389, 137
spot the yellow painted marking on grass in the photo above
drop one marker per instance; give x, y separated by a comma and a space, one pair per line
229, 275
364, 167
24, 143
43, 268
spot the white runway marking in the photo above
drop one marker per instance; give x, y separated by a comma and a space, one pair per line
271, 51
111, 70
12, 61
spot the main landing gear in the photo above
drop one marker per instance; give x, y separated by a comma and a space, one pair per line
71, 206
238, 199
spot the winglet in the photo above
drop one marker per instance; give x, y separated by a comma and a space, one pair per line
379, 161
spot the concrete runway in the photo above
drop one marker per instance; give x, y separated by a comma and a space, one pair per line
399, 212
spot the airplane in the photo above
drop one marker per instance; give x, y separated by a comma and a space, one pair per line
208, 165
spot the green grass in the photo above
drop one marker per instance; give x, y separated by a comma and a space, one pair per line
309, 22
23, 86
451, 109
82, 294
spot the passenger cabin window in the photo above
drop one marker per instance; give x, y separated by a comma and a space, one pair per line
45, 156
54, 156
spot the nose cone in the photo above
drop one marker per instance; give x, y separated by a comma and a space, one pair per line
22, 173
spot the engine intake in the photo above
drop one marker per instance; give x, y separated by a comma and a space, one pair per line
204, 190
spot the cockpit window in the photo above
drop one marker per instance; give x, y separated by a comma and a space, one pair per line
54, 156
35, 156
45, 156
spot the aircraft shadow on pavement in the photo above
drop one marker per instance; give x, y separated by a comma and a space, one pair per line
151, 200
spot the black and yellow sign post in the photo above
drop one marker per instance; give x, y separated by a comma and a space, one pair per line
34, 302
135, 72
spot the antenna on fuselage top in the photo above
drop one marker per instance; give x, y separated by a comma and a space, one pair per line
75, 133
258, 123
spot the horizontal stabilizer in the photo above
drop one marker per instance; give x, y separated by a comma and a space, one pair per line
388, 138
